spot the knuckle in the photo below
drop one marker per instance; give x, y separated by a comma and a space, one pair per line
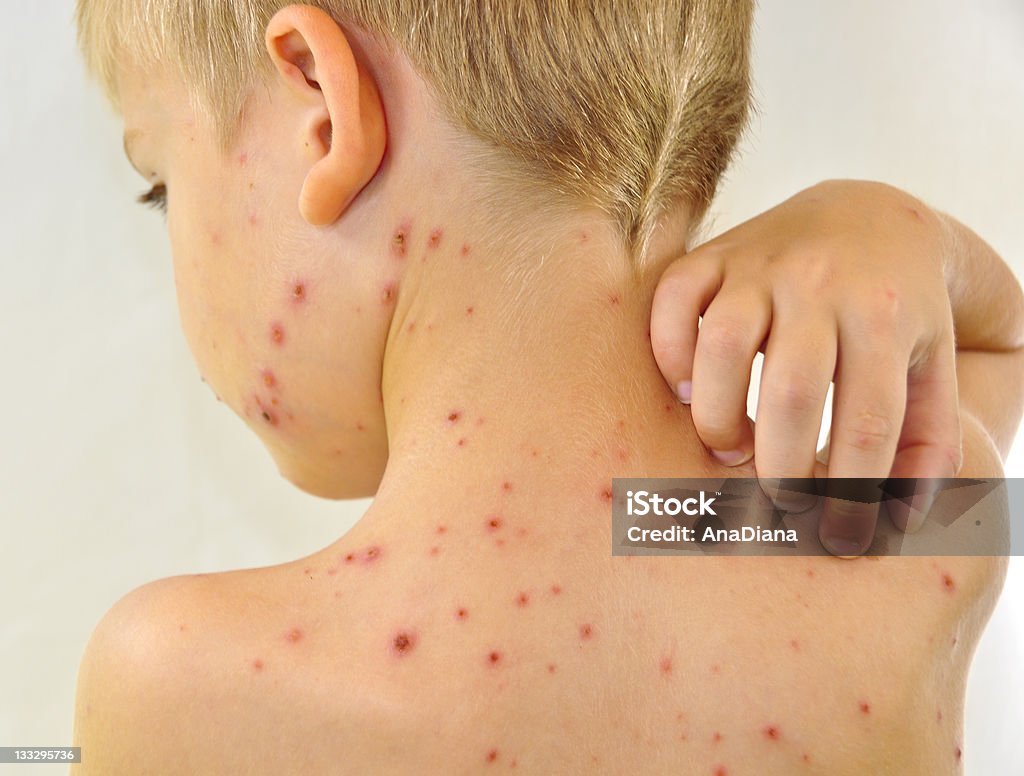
881, 312
870, 431
955, 455
817, 272
794, 393
724, 340
712, 422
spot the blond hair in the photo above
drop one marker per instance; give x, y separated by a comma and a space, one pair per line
629, 106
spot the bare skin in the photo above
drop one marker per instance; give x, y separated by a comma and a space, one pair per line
488, 392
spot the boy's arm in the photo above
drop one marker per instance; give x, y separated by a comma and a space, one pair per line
988, 320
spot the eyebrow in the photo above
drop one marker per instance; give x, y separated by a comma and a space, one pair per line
129, 141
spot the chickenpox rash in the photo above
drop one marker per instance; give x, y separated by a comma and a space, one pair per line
277, 333
453, 417
493, 657
403, 643
721, 771
269, 380
469, 311
614, 300
294, 636
586, 631
441, 528
523, 600
958, 754
795, 645
257, 665
491, 756
400, 240
717, 737
493, 523
387, 294
506, 486
771, 732
266, 413
298, 292
461, 614
461, 442
606, 495
556, 589
243, 158
254, 219
665, 666
435, 238
552, 668
865, 707
948, 584
465, 249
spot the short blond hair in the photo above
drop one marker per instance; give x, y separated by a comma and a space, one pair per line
630, 106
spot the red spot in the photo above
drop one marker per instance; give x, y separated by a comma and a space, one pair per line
411, 326
523, 599
434, 550
721, 771
400, 241
215, 238
254, 219
268, 378
556, 589
242, 159
666, 665
469, 311
623, 454
948, 584
795, 644
294, 635
715, 669
810, 573
493, 523
492, 756
403, 643
360, 426
938, 715
771, 731
958, 754
586, 631
461, 614
387, 295
441, 528
806, 758
865, 707
299, 293
276, 333
716, 737
647, 334
465, 249
552, 668
306, 570
669, 408
614, 299
606, 494
534, 453
461, 442
506, 486
257, 665
266, 414
494, 658
453, 417
372, 553
435, 238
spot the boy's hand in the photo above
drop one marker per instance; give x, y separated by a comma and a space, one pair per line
843, 281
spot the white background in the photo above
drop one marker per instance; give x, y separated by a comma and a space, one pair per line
118, 466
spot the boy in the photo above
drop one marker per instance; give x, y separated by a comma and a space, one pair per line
421, 266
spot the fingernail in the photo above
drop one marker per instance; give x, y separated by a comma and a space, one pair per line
840, 546
730, 457
683, 391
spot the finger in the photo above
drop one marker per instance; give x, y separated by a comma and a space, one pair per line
868, 408
684, 292
799, 362
733, 328
930, 442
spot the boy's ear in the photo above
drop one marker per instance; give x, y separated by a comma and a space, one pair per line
346, 133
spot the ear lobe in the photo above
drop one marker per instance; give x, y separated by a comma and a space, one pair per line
347, 132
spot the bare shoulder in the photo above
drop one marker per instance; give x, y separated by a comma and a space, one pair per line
171, 661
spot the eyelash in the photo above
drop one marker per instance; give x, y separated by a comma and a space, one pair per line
156, 198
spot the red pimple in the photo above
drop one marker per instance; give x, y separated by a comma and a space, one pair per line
360, 426
556, 589
948, 584
806, 758
465, 249
523, 599
469, 311
491, 756
938, 715
299, 292
534, 453
715, 669
865, 707
493, 523
795, 644
771, 731
666, 665
461, 442
242, 159
441, 528
372, 553
412, 325
494, 658
721, 771
453, 416
254, 219
506, 486
434, 550
257, 665
614, 299
277, 333
958, 754
294, 635
403, 643
435, 238
552, 668
606, 494
586, 631
387, 294
810, 573
350, 557
716, 737
461, 614
268, 378
400, 241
